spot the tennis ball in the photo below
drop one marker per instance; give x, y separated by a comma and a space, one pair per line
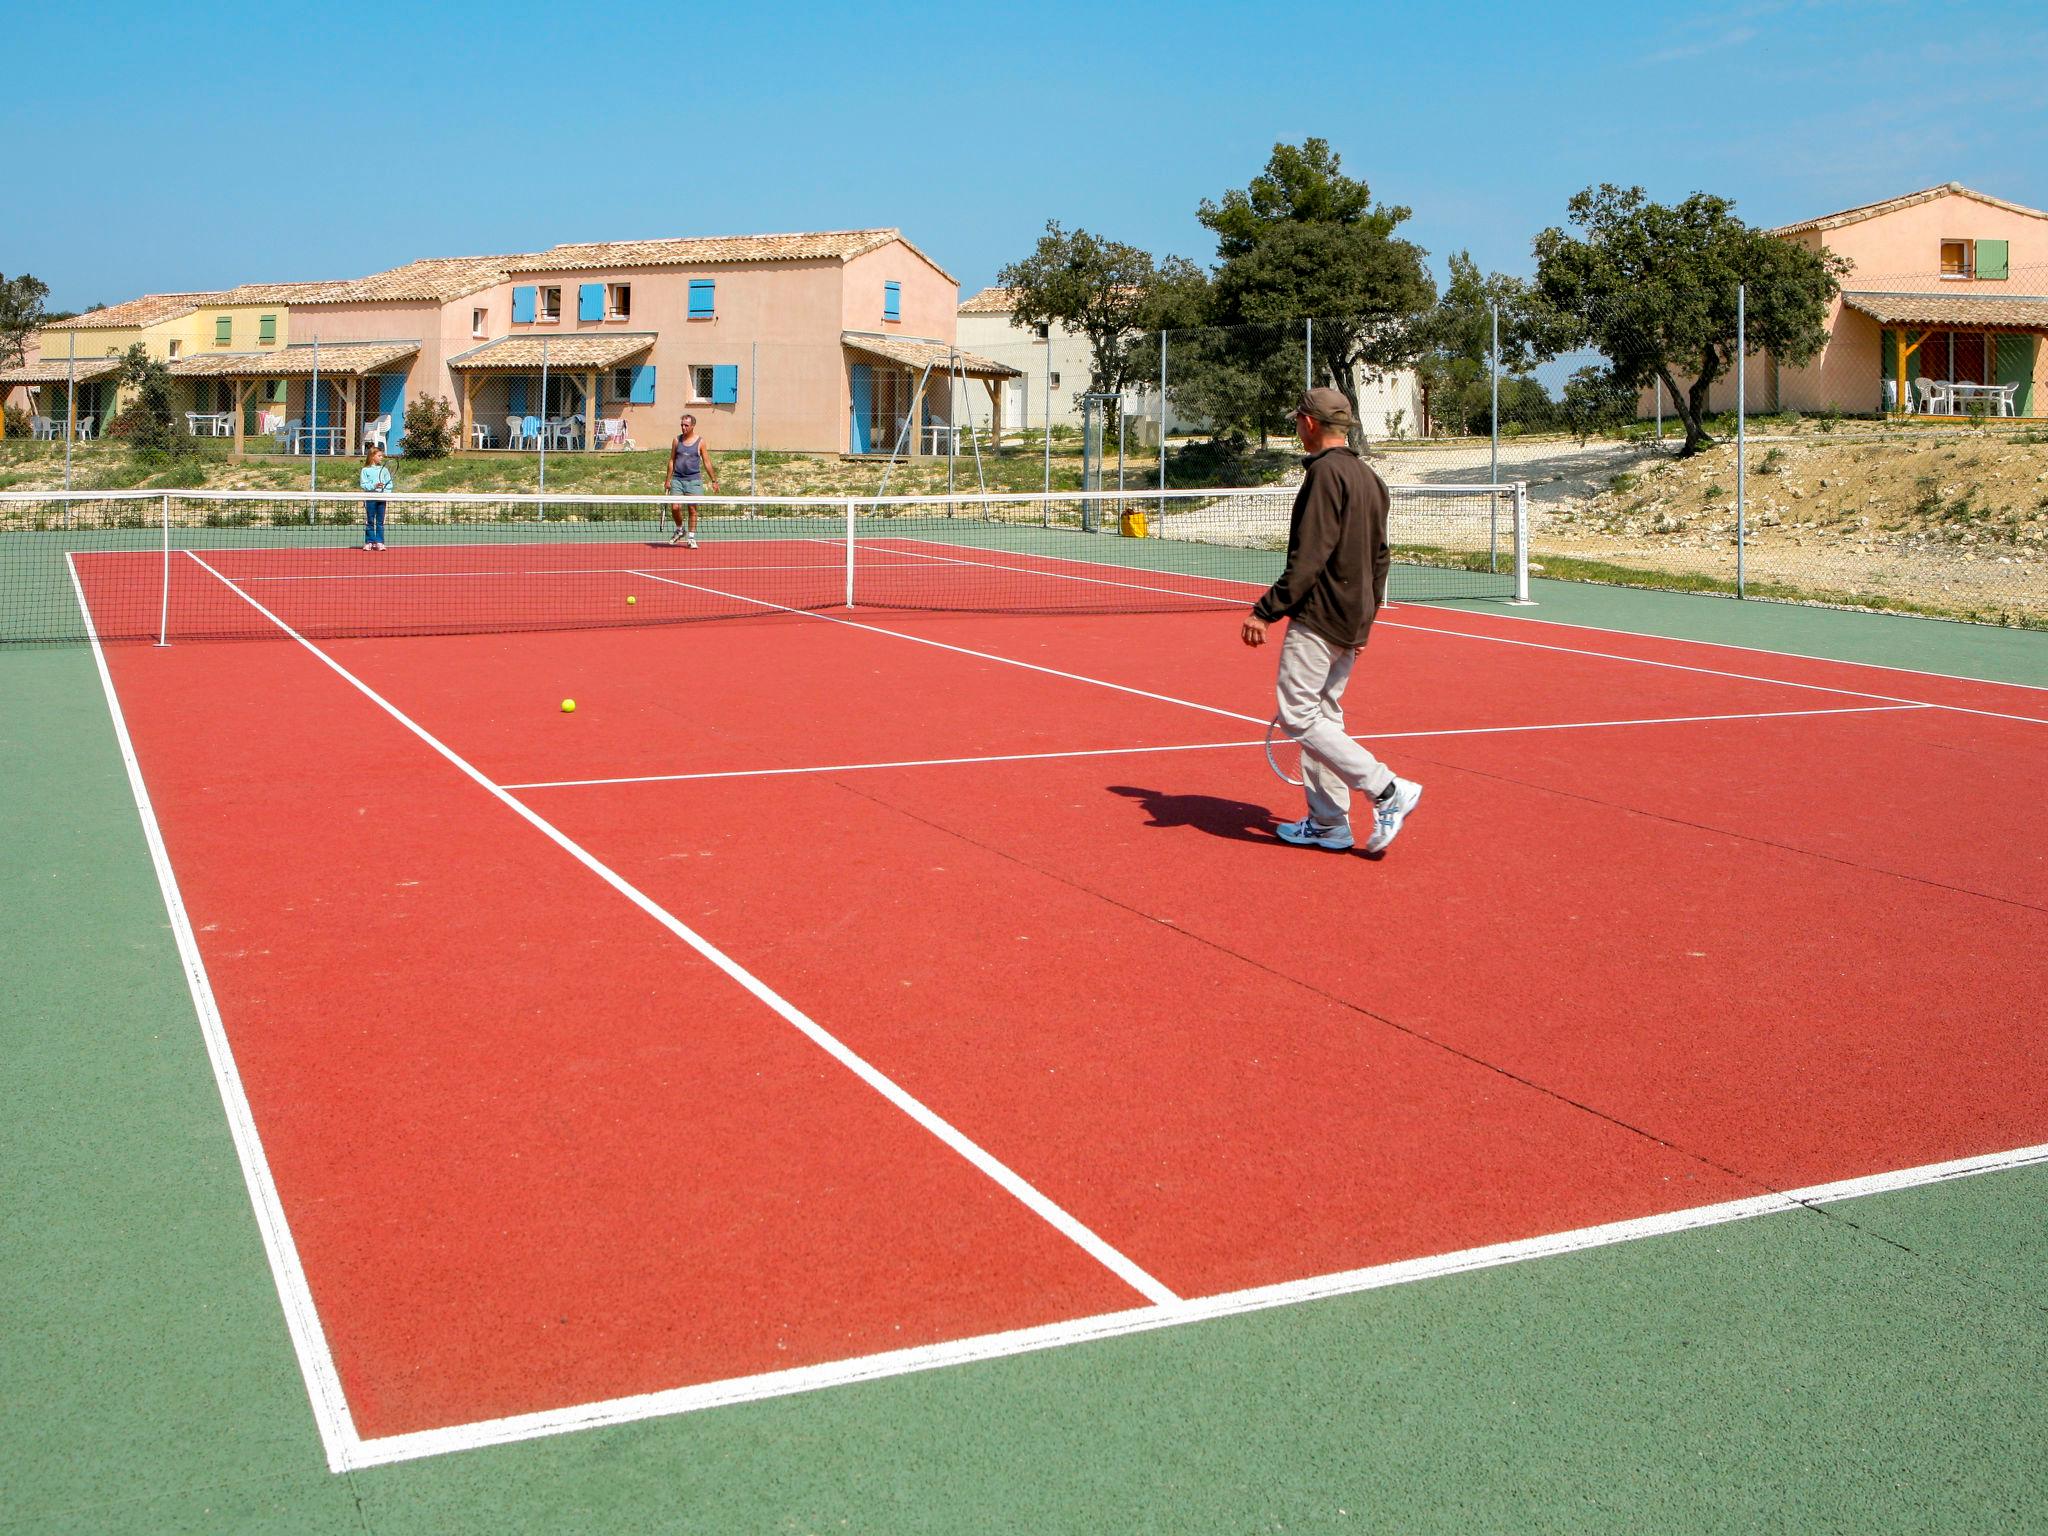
632, 600
568, 706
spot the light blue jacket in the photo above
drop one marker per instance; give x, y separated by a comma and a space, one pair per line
376, 479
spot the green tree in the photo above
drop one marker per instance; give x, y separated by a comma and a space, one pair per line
1456, 340
1302, 241
148, 420
1653, 289
1109, 292
21, 315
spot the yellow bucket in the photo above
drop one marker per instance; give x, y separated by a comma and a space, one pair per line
1132, 525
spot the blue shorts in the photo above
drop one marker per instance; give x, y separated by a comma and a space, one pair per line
686, 485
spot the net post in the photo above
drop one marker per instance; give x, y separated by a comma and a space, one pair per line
1521, 597
849, 551
163, 621
1741, 441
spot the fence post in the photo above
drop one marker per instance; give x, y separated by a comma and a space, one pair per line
1308, 353
71, 417
849, 551
1493, 411
1048, 419
542, 512
1162, 423
753, 418
313, 431
1741, 440
163, 621
1522, 597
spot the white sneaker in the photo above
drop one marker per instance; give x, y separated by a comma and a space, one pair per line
1388, 813
1309, 833
676, 537
689, 541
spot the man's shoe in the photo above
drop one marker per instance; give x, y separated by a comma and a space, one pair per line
1308, 833
689, 541
1390, 810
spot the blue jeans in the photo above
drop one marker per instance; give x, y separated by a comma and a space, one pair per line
373, 522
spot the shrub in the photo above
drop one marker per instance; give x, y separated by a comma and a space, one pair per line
17, 422
148, 420
429, 428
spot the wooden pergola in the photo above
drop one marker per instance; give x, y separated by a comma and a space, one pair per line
57, 371
927, 359
573, 356
342, 365
1913, 318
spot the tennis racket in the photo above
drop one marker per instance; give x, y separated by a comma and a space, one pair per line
1283, 753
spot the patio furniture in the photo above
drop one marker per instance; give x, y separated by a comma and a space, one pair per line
565, 431
529, 429
515, 432
85, 428
378, 430
43, 427
1999, 397
479, 435
1933, 397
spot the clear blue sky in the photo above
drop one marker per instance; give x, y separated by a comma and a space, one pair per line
163, 147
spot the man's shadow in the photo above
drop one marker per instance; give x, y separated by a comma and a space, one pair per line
1239, 820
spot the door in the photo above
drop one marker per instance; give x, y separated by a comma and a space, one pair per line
860, 438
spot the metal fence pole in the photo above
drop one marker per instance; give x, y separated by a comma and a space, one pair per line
542, 511
753, 419
1308, 354
1741, 439
849, 552
70, 408
313, 430
163, 621
1493, 410
1048, 428
1162, 425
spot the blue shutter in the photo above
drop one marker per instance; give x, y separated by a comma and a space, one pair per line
590, 301
642, 392
703, 298
725, 383
892, 301
515, 395
522, 305
391, 402
863, 407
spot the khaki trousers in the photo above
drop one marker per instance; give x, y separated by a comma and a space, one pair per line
1313, 673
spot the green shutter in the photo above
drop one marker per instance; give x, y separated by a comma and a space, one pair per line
223, 330
2016, 366
1993, 257
266, 329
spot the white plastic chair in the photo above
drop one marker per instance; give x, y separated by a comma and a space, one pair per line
377, 430
1933, 397
479, 435
568, 431
529, 429
85, 428
515, 432
42, 426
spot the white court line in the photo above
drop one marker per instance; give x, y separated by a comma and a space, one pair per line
1206, 746
1681, 666
994, 1346
302, 1322
1010, 661
1235, 601
1009, 1180
836, 568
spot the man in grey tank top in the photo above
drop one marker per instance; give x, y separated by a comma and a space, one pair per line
689, 465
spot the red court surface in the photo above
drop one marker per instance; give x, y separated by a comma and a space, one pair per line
1676, 925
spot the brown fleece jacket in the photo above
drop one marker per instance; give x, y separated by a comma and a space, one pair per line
1337, 556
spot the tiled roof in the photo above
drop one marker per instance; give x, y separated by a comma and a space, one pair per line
55, 370
296, 361
990, 301
277, 293
150, 309
2024, 312
435, 280
929, 354
819, 245
577, 349
1828, 221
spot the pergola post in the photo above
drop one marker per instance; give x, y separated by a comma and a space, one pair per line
916, 416
468, 410
242, 388
995, 412
347, 390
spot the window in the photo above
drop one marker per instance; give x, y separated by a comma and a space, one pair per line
1055, 381
175, 345
1044, 332
550, 304
266, 330
700, 382
223, 330
618, 301
274, 392
476, 321
892, 301
622, 383
1958, 259
703, 298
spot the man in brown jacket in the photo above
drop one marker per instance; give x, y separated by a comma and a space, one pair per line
1335, 581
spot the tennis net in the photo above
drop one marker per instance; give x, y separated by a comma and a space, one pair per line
190, 565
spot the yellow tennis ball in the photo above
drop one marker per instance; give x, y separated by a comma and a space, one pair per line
568, 706
632, 600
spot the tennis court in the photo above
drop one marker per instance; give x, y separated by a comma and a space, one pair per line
850, 990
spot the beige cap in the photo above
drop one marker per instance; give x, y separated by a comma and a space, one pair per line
1327, 406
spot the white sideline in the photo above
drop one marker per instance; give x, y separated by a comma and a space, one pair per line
331, 1414
1000, 1173
994, 1346
1206, 746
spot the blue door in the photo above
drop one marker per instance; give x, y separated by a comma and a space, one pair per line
391, 402
863, 406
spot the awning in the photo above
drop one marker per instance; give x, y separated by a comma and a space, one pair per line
55, 370
1953, 310
928, 354
340, 358
576, 351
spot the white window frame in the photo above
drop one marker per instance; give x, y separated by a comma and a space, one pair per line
1969, 271
612, 308
703, 383
543, 312
479, 322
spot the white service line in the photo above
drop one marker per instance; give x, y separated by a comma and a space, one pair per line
1680, 666
331, 1414
1053, 1214
1234, 600
995, 1346
1207, 746
571, 570
1010, 661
